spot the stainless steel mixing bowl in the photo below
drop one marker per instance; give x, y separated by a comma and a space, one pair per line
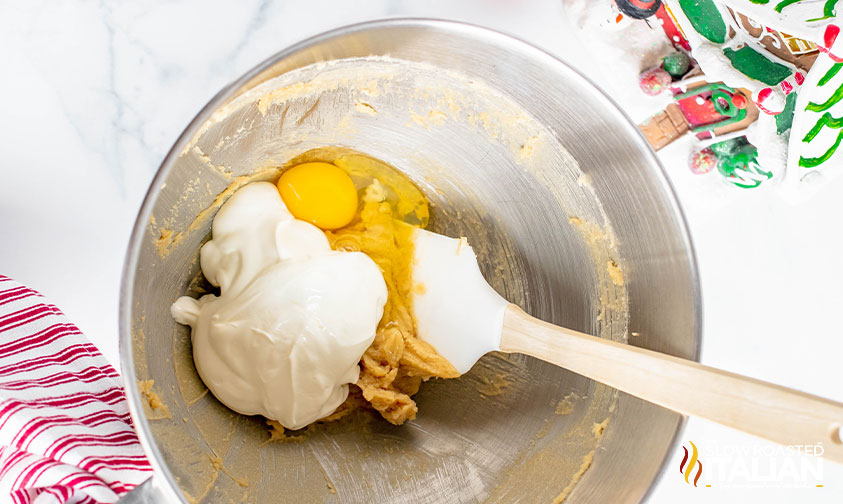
517, 151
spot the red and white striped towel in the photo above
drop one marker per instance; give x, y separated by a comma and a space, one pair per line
65, 431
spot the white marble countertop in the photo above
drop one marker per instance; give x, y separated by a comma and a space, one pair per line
95, 92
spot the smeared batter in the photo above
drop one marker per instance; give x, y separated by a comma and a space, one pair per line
397, 362
153, 400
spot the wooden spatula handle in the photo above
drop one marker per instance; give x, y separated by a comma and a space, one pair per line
783, 415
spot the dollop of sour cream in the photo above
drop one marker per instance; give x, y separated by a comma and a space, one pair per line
293, 318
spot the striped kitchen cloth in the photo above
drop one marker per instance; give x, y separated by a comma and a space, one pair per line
65, 431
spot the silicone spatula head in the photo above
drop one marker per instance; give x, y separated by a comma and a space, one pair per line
456, 311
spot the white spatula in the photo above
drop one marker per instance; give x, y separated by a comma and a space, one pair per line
463, 318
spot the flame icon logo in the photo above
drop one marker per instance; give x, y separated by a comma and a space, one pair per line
687, 466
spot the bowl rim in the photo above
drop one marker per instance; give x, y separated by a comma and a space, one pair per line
137, 236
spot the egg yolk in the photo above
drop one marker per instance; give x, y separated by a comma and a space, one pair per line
319, 193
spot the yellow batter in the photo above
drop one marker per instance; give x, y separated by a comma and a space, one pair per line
396, 363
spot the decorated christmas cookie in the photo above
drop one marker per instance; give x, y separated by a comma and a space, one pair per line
805, 19
766, 48
754, 86
815, 153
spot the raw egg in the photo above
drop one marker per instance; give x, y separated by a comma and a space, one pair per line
319, 193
